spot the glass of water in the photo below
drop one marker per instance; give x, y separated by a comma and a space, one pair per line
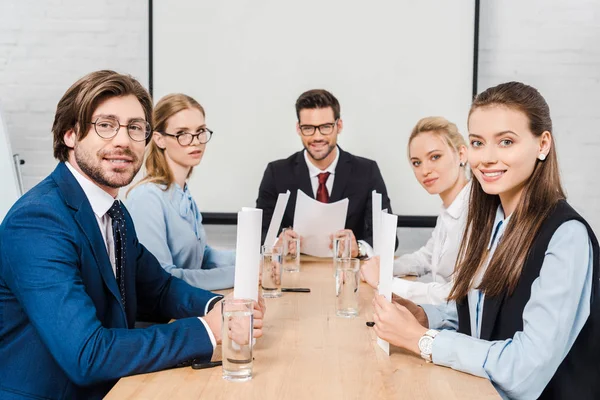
291, 255
341, 246
347, 281
271, 271
238, 324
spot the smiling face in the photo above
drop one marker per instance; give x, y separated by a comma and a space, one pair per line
503, 151
320, 147
190, 120
110, 163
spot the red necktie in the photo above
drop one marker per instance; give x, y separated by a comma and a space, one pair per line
322, 193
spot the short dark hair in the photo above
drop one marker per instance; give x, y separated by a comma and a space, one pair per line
317, 98
75, 109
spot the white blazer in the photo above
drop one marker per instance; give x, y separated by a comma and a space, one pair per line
434, 262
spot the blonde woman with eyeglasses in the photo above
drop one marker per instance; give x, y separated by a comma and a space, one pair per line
167, 219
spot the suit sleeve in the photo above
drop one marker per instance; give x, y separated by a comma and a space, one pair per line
46, 281
267, 199
378, 185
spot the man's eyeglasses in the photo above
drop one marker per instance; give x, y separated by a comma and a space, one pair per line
186, 138
325, 129
107, 127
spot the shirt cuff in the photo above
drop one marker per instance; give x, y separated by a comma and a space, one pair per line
461, 352
368, 248
211, 303
401, 287
210, 334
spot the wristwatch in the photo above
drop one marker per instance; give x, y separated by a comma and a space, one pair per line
362, 252
426, 344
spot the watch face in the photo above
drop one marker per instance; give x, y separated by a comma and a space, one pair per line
425, 344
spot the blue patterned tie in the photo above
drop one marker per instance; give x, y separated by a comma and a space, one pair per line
119, 234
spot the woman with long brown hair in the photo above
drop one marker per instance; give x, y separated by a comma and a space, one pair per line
524, 310
167, 219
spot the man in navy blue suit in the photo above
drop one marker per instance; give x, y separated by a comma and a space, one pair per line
73, 276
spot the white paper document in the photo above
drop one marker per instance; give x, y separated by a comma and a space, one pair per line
247, 258
376, 208
315, 221
389, 223
280, 206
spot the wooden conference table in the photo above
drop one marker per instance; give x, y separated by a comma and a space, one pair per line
309, 353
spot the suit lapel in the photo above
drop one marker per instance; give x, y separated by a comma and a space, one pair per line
76, 199
491, 307
302, 175
343, 170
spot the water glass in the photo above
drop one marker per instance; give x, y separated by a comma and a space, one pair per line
341, 247
271, 271
291, 255
236, 334
347, 280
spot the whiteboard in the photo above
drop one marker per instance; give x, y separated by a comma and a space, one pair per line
8, 177
389, 63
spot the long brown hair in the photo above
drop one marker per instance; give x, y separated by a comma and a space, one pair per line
541, 193
157, 168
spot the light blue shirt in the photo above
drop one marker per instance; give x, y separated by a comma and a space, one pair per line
169, 225
559, 306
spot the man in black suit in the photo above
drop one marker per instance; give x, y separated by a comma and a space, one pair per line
325, 172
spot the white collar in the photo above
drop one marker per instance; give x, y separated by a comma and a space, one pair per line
314, 171
98, 198
457, 207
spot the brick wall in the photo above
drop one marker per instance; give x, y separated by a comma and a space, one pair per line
45, 46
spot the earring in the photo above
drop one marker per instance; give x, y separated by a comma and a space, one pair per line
542, 157
462, 164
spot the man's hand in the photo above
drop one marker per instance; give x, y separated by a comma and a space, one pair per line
353, 242
369, 272
215, 321
288, 233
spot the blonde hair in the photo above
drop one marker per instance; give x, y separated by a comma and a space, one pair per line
157, 168
442, 127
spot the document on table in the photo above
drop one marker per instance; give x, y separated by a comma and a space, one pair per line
387, 236
277, 217
247, 260
315, 221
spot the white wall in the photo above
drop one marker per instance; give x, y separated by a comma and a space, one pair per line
552, 44
45, 46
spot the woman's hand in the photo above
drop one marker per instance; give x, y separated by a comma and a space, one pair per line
397, 325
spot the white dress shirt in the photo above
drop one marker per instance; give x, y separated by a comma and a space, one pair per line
314, 172
101, 203
434, 262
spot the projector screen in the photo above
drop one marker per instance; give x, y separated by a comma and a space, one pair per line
388, 62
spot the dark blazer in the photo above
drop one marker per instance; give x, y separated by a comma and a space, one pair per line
64, 333
355, 179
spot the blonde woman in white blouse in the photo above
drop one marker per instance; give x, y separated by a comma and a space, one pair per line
438, 156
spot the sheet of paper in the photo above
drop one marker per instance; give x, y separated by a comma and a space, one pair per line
247, 259
315, 221
389, 223
376, 209
275, 223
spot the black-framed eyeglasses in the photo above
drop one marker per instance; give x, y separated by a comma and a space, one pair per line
325, 129
186, 138
107, 128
